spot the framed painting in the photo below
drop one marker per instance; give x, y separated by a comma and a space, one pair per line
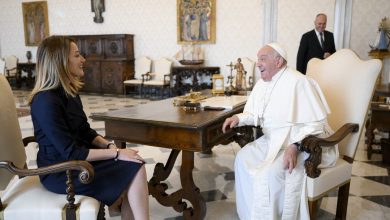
196, 21
36, 23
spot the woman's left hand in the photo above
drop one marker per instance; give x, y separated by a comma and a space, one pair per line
130, 155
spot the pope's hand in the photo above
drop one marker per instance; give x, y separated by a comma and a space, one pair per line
230, 122
290, 157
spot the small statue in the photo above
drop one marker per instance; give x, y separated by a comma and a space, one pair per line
240, 75
98, 9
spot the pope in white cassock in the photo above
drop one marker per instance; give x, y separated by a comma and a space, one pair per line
269, 172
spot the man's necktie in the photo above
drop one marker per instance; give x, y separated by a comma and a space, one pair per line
322, 40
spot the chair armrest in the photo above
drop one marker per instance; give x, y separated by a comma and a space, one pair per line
86, 169
245, 134
146, 76
312, 145
28, 140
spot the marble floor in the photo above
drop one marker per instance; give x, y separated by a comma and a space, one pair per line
213, 174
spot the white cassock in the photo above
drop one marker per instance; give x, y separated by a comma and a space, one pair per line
289, 108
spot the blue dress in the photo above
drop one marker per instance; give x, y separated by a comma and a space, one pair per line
63, 133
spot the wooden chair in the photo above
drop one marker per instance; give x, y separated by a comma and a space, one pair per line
142, 68
160, 77
23, 196
11, 70
348, 84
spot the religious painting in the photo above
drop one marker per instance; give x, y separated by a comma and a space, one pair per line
36, 24
196, 21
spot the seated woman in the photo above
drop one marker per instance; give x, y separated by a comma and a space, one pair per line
63, 133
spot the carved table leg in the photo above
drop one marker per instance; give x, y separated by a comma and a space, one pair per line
188, 192
191, 191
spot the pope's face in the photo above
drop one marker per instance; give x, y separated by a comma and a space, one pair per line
76, 61
267, 63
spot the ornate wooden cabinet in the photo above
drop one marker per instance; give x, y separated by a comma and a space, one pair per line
110, 61
186, 78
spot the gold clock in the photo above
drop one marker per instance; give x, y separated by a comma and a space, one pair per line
218, 84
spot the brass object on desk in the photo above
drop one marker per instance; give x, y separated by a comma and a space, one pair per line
218, 84
191, 97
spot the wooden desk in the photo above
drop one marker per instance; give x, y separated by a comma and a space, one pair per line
379, 119
29, 68
161, 124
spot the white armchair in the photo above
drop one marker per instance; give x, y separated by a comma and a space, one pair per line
142, 68
160, 77
11, 70
249, 67
2, 66
348, 84
23, 196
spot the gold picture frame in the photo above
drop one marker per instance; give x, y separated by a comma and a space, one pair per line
36, 22
196, 21
218, 84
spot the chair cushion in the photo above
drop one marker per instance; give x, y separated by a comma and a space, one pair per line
133, 81
155, 83
27, 197
329, 178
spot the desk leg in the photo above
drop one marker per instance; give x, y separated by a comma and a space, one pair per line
189, 191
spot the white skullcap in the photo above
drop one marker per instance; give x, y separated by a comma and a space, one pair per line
278, 48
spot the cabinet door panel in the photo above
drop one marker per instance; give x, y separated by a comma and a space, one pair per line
93, 48
112, 77
114, 48
92, 77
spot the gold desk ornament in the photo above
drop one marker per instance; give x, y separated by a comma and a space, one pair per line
218, 84
191, 97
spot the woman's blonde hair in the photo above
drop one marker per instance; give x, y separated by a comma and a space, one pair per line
52, 68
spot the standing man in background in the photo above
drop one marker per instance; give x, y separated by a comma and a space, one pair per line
316, 43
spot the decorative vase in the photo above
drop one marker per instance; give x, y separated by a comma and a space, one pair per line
29, 56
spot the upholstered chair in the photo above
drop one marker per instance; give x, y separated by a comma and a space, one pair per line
142, 68
249, 67
22, 194
11, 70
348, 84
2, 66
160, 76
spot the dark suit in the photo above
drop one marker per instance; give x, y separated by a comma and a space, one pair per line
310, 47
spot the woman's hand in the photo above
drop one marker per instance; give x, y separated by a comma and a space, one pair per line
130, 155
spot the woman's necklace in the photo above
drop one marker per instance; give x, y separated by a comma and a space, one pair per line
265, 103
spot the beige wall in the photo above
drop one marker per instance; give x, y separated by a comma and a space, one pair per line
239, 30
